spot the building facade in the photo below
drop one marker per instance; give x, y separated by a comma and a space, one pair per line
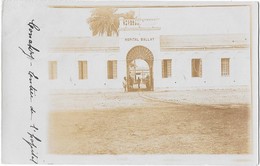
173, 61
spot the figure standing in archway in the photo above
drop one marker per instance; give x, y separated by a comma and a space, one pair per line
138, 82
124, 84
147, 81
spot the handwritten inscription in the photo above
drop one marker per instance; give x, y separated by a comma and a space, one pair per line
32, 88
32, 139
30, 48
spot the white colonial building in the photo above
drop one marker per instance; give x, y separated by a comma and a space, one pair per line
173, 61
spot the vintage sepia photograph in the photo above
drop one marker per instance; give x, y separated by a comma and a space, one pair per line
156, 80
127, 82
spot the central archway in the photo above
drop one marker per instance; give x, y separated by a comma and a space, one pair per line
143, 53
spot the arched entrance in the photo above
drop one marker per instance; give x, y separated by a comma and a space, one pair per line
139, 53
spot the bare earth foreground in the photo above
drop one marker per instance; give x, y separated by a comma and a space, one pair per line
146, 123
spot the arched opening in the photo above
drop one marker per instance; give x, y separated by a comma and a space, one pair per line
139, 69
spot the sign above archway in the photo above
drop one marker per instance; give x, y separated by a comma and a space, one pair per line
140, 39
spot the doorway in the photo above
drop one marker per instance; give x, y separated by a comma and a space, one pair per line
139, 69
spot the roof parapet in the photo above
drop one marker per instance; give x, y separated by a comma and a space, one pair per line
137, 23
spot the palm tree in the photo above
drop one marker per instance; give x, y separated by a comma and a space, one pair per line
106, 21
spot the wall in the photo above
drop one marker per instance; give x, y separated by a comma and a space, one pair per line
68, 77
211, 69
181, 70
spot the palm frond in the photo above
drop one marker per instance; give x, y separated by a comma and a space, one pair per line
105, 21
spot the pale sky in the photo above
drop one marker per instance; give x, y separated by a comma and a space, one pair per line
141, 64
173, 21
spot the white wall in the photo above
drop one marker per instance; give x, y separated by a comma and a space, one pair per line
67, 71
211, 69
181, 70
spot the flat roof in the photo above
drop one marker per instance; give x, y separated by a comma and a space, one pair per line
167, 43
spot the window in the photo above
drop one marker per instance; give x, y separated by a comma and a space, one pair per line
196, 65
52, 70
224, 66
112, 69
83, 70
166, 68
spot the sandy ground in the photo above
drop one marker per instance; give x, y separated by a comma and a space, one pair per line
102, 100
151, 122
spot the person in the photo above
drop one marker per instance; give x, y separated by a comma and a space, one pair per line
131, 82
138, 82
147, 82
124, 83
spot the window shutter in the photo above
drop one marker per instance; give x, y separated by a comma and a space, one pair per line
80, 70
114, 67
85, 70
196, 67
193, 68
200, 68
108, 70
169, 68
163, 74
225, 67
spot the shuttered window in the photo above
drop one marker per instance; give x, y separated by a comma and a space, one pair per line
52, 70
83, 70
196, 65
112, 69
166, 68
225, 67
